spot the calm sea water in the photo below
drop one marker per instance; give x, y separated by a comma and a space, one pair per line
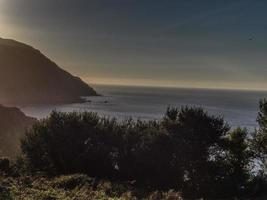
239, 108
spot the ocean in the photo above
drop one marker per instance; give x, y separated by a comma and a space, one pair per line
238, 107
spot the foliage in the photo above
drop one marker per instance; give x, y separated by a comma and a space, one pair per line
188, 150
260, 137
78, 187
4, 165
232, 169
259, 148
194, 136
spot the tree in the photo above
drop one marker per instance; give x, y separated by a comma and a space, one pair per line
195, 136
188, 150
259, 147
260, 136
146, 154
57, 144
234, 163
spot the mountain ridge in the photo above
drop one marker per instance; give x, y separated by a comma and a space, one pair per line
29, 77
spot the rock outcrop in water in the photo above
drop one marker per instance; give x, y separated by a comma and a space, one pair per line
13, 124
28, 77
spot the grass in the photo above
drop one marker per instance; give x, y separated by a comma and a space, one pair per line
75, 187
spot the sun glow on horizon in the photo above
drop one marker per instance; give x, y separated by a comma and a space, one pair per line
113, 49
172, 84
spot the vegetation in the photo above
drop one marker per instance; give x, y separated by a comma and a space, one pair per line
188, 151
260, 137
76, 186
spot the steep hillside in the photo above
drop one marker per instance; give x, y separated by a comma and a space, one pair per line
13, 124
28, 77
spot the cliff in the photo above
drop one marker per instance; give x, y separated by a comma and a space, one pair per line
29, 77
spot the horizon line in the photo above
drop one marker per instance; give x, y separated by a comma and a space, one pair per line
176, 87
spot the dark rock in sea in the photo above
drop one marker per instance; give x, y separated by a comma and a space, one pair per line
13, 124
29, 77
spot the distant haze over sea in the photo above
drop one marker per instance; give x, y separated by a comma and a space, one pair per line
238, 107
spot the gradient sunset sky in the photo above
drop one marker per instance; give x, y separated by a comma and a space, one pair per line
201, 43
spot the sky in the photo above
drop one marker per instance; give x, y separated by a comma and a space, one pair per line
176, 43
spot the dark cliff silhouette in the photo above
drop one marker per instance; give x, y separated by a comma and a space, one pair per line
29, 77
13, 124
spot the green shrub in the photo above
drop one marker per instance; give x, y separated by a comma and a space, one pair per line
188, 150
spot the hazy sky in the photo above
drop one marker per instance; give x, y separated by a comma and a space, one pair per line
216, 43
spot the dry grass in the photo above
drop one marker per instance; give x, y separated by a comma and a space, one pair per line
75, 187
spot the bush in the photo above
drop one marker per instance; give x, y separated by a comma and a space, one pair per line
73, 181
4, 165
188, 150
5, 193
